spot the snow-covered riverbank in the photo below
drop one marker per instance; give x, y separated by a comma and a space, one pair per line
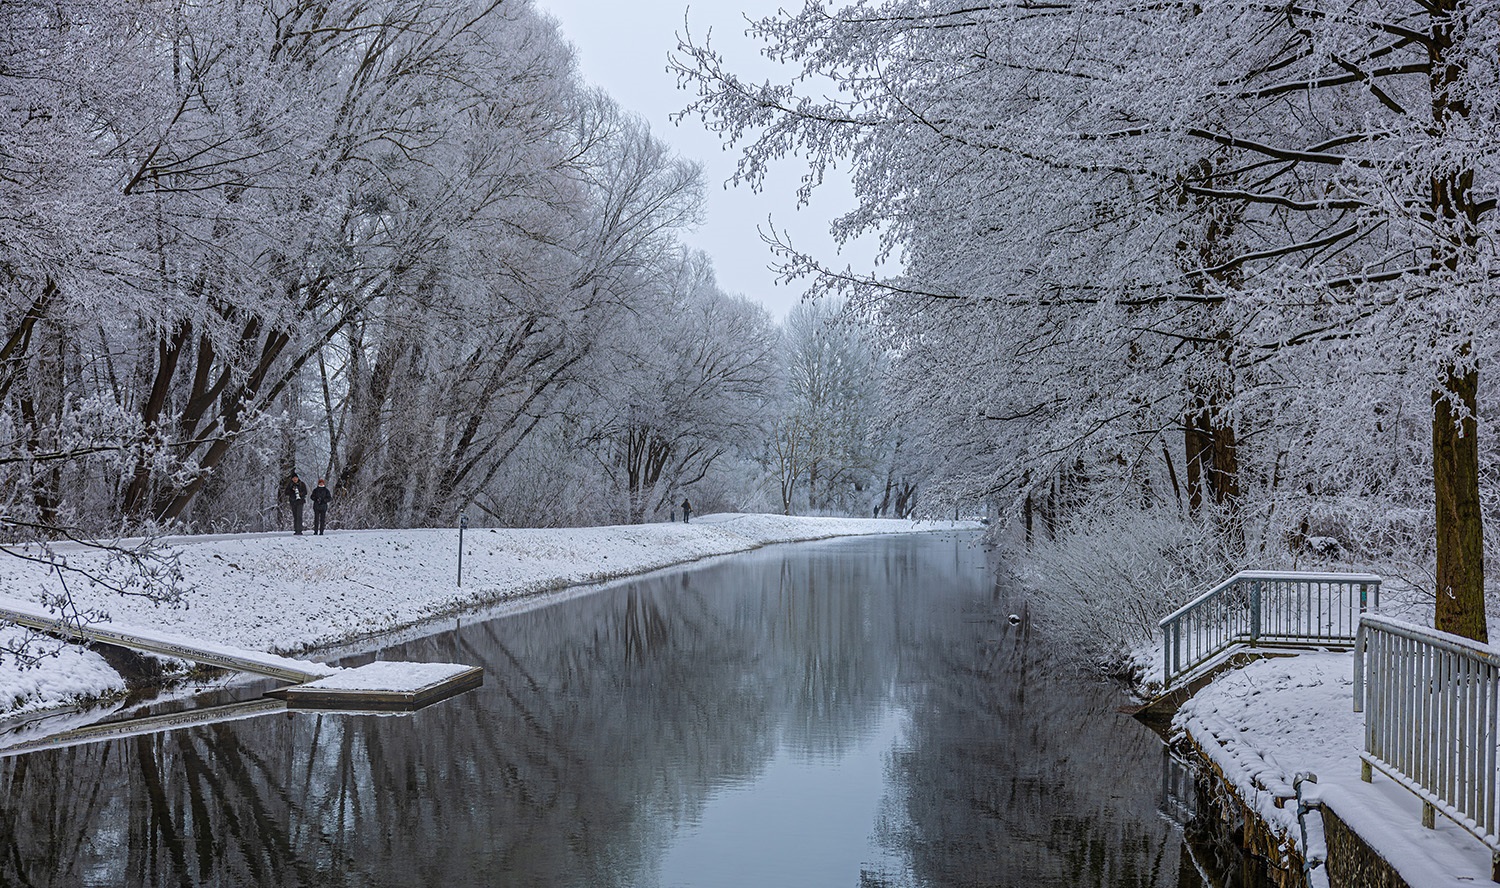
1263, 724
289, 594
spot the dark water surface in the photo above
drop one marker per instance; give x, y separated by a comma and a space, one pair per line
853, 713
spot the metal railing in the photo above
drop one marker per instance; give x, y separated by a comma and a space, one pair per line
1265, 607
1432, 720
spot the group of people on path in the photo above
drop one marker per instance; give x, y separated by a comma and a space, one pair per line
297, 495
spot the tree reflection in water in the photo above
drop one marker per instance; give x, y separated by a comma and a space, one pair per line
606, 725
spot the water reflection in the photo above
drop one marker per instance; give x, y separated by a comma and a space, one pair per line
850, 713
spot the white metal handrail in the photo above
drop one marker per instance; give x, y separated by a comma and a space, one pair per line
1432, 720
1257, 606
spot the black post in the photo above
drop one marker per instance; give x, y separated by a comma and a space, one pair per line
463, 521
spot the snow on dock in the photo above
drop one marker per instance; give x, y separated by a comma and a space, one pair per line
379, 686
384, 684
167, 644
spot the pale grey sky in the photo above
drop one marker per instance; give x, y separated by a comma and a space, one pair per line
623, 47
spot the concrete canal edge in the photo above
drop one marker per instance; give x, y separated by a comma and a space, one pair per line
1274, 856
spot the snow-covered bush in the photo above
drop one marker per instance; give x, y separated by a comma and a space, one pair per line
1100, 586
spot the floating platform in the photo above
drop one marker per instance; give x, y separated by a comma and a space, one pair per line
380, 688
383, 685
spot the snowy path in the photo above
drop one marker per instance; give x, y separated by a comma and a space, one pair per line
291, 594
1276, 717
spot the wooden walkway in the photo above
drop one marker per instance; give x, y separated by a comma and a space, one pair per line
381, 686
166, 644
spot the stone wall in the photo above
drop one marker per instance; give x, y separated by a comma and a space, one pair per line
1351, 862
1225, 822
1272, 859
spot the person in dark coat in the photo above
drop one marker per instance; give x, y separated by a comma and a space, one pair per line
296, 494
687, 511
321, 496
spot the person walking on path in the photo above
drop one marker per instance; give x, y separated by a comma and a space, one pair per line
296, 494
320, 498
687, 511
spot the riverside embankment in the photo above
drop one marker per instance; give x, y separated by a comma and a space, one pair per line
294, 594
1261, 732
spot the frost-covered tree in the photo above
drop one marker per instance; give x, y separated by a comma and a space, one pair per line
348, 179
692, 378
1164, 218
509, 313
824, 441
383, 243
380, 242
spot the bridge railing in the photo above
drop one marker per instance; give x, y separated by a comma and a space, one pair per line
1432, 720
1265, 607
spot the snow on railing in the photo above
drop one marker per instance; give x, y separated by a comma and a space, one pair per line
1265, 607
1432, 721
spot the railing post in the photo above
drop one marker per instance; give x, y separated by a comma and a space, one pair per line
1176, 647
1359, 663
1255, 610
1166, 653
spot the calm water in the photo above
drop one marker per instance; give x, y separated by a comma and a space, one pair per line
854, 713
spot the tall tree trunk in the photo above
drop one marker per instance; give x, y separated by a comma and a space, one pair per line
1460, 523
1197, 452
1212, 447
1225, 480
169, 350
1455, 430
41, 406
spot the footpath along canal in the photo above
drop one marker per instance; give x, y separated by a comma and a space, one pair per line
857, 712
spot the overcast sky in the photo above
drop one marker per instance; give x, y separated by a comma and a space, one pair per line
623, 47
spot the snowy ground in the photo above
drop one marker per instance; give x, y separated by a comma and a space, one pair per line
290, 595
1274, 718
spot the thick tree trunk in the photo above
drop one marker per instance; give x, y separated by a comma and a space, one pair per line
1213, 463
1455, 429
1197, 451
41, 407
169, 350
1225, 481
906, 499
1460, 523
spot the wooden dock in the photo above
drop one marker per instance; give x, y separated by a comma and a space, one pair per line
382, 686
166, 644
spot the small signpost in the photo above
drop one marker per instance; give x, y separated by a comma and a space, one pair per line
463, 521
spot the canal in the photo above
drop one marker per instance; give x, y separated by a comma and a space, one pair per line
855, 713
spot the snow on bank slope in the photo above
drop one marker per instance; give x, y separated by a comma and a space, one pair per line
287, 594
1274, 718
